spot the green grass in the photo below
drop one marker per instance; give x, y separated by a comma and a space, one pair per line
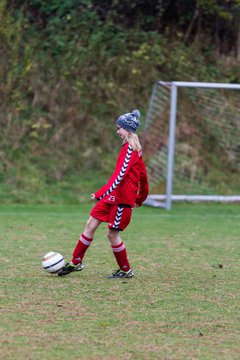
183, 302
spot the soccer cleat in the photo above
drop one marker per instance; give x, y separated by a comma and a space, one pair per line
120, 274
69, 267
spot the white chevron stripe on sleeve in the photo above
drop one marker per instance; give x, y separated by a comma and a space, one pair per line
121, 173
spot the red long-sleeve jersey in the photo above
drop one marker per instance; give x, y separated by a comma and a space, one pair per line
128, 184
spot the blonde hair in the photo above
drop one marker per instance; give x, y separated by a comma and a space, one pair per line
133, 140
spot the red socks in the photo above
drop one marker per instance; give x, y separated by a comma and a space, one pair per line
120, 254
82, 245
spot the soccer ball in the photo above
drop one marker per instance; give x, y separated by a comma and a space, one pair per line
52, 262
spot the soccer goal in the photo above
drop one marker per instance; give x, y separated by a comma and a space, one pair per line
191, 143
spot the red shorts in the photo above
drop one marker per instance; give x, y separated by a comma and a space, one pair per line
117, 216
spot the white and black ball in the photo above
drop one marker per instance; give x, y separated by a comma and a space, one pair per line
52, 262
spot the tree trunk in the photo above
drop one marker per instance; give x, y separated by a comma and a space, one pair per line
190, 27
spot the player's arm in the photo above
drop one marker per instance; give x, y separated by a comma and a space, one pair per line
126, 157
143, 186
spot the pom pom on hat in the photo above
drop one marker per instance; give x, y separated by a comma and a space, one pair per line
136, 113
129, 121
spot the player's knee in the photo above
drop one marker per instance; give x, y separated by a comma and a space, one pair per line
90, 226
109, 235
113, 237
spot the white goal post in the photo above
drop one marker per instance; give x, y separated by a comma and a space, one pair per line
192, 139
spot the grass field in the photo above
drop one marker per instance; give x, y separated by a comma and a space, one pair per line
183, 303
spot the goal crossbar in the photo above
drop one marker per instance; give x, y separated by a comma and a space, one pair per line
201, 85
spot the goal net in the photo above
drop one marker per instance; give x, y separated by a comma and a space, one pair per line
191, 143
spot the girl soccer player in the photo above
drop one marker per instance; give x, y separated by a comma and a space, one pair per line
126, 188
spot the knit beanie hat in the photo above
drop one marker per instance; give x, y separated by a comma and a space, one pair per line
129, 121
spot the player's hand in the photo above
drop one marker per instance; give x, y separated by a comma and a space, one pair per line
136, 205
93, 197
